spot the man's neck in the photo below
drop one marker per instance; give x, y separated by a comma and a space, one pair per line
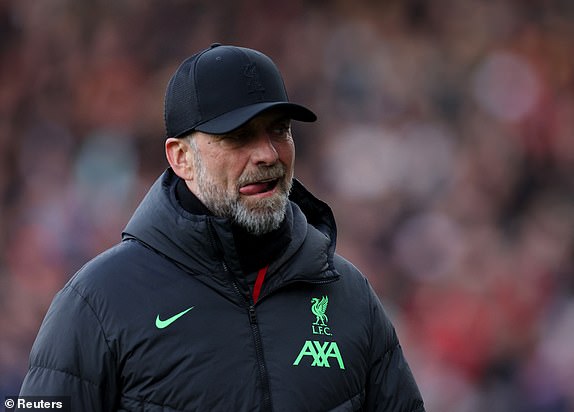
189, 201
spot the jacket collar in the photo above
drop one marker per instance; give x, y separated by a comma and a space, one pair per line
204, 244
255, 252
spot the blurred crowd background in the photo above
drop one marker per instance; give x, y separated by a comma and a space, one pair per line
445, 145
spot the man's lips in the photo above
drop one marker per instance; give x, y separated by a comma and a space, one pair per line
257, 188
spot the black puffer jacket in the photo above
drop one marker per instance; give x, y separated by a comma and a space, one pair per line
162, 322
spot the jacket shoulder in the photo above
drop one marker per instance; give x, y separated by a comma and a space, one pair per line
115, 268
349, 271
114, 259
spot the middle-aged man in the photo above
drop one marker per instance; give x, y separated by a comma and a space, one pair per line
226, 293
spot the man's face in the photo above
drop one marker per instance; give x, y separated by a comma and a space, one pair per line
246, 175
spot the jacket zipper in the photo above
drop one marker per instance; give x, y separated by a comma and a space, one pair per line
266, 401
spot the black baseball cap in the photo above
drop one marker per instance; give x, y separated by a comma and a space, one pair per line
221, 88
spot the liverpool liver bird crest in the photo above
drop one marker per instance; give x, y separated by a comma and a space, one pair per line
319, 308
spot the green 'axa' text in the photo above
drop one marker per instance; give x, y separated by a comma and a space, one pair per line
320, 352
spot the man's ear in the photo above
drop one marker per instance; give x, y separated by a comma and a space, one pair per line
179, 156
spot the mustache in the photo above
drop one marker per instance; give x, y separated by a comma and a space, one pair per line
276, 171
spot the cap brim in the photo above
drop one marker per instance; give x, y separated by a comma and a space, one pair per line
238, 117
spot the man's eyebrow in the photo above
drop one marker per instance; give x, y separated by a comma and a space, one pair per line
246, 128
249, 127
282, 118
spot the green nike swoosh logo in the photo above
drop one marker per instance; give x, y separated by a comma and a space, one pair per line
160, 324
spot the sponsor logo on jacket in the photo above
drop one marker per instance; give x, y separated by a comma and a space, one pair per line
316, 352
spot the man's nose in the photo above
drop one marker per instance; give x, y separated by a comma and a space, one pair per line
264, 150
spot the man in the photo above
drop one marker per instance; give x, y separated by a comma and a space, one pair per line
226, 293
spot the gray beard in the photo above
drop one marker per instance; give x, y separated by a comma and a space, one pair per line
259, 218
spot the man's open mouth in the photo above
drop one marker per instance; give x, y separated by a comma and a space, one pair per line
256, 188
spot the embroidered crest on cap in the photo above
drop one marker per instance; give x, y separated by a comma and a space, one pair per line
254, 84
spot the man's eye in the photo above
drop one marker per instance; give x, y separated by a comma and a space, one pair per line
281, 129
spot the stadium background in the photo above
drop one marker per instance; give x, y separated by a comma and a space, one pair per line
445, 145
